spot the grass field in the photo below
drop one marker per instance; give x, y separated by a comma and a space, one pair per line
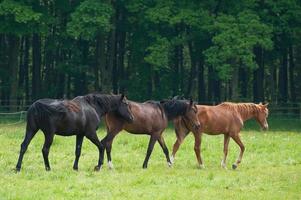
271, 168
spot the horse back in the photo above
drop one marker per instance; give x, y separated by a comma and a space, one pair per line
148, 117
63, 117
216, 120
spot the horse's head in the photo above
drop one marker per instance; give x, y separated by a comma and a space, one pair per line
124, 109
191, 115
262, 115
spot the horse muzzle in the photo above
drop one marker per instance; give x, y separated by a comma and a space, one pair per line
131, 119
197, 126
265, 127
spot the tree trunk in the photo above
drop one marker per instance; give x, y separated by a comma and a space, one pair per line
80, 79
149, 82
26, 69
113, 53
3, 61
210, 83
175, 72
48, 74
234, 84
201, 81
283, 82
258, 74
121, 52
182, 70
36, 66
97, 64
104, 72
193, 67
13, 54
243, 82
217, 90
291, 74
21, 63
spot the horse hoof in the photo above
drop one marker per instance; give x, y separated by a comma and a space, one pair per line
172, 159
75, 168
17, 170
234, 166
144, 167
110, 165
202, 166
223, 165
97, 168
169, 164
47, 169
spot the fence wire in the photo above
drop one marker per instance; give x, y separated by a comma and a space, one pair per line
286, 112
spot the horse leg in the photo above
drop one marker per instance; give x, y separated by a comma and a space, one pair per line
180, 138
94, 139
107, 141
78, 147
46, 147
151, 144
237, 139
197, 148
165, 150
226, 143
28, 137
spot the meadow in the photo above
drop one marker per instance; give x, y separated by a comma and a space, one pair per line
270, 169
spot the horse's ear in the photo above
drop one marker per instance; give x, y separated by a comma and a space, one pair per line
266, 104
190, 102
122, 97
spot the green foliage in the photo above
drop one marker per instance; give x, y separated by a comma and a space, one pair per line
18, 18
90, 18
158, 53
234, 39
159, 48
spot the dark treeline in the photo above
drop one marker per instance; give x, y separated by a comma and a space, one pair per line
214, 50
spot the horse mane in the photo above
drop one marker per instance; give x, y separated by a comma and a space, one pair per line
245, 109
108, 102
174, 108
103, 103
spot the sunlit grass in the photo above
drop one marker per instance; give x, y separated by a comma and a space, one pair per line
271, 168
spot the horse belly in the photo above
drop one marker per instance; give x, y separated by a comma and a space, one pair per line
213, 125
136, 128
144, 127
69, 126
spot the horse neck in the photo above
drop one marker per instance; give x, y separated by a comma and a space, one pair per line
247, 111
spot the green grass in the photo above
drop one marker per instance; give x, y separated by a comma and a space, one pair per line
270, 169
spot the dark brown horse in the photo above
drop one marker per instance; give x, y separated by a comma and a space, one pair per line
150, 118
226, 118
79, 116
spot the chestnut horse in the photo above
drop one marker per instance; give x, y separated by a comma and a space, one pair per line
226, 118
150, 118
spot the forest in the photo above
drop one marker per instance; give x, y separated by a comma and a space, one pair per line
213, 51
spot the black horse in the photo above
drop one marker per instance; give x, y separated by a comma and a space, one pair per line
79, 116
